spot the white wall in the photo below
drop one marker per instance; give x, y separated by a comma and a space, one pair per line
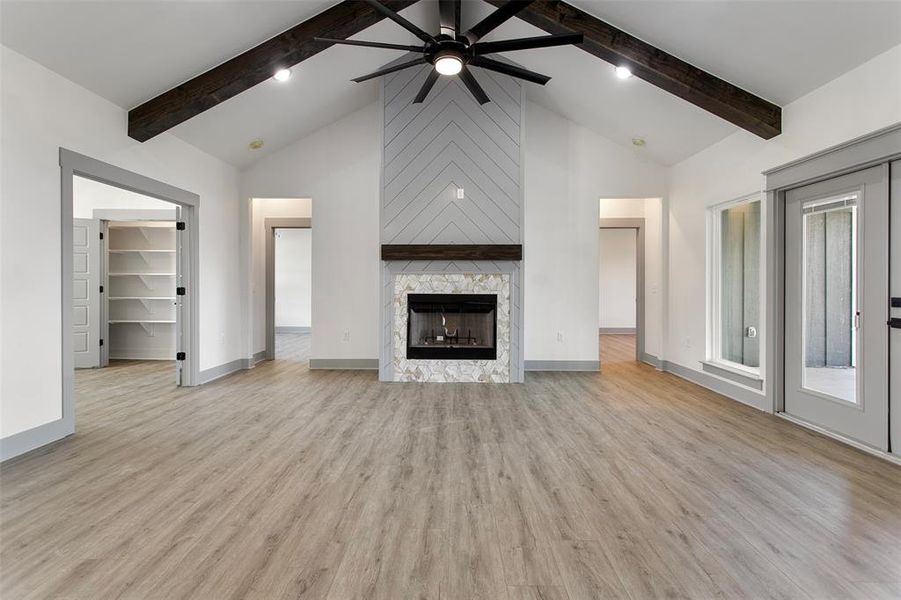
338, 167
42, 112
88, 195
860, 101
619, 262
262, 209
293, 277
567, 168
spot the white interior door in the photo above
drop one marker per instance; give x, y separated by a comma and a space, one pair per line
86, 257
836, 305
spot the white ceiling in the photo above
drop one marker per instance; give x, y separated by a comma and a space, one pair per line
130, 50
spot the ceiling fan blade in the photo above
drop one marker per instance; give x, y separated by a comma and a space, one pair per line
512, 71
372, 44
399, 67
425, 37
449, 17
541, 41
495, 19
427, 86
473, 86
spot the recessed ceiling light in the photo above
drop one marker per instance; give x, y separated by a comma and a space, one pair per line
282, 75
623, 72
638, 141
449, 65
256, 144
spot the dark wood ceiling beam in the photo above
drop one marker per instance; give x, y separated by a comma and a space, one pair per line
253, 67
655, 66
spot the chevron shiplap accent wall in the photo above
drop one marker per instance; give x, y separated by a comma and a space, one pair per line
451, 142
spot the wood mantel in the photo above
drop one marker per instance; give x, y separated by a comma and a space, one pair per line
451, 251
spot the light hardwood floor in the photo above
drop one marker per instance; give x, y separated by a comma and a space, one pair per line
280, 482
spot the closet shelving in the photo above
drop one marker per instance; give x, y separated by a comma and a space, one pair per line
141, 301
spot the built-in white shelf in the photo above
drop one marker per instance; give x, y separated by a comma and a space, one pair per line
142, 274
142, 298
118, 321
139, 250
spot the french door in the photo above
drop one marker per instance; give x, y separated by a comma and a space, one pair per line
837, 305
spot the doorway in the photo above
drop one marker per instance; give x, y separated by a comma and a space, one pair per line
288, 285
621, 289
836, 359
91, 258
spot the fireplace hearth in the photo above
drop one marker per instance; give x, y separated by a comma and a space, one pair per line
452, 326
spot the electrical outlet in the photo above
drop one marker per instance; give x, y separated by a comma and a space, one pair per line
752, 332
346, 336
560, 336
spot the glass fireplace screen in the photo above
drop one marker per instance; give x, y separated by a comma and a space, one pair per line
452, 326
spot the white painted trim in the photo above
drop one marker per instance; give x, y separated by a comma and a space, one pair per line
892, 458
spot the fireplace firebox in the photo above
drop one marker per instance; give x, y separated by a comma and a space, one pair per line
452, 326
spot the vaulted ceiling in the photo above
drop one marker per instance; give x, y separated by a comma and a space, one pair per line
131, 51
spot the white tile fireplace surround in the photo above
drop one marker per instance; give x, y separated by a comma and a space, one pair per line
446, 370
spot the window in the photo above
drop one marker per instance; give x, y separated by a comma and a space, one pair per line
734, 285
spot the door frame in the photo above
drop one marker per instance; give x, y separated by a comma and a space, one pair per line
105, 215
71, 164
270, 224
637, 223
876, 148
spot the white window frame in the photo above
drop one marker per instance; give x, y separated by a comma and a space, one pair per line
714, 285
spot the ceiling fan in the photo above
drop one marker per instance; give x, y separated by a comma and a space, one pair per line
452, 52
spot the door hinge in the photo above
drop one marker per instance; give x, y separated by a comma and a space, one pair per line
180, 225
101, 289
180, 291
101, 235
101, 341
179, 356
896, 302
894, 323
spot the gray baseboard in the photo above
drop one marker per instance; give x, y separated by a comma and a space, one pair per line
34, 438
239, 364
562, 365
616, 330
652, 360
345, 364
721, 386
293, 329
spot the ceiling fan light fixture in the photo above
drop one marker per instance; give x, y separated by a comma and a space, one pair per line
449, 64
623, 72
282, 75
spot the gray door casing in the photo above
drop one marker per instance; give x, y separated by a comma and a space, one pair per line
867, 420
638, 224
270, 224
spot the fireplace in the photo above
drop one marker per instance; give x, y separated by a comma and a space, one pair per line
452, 326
